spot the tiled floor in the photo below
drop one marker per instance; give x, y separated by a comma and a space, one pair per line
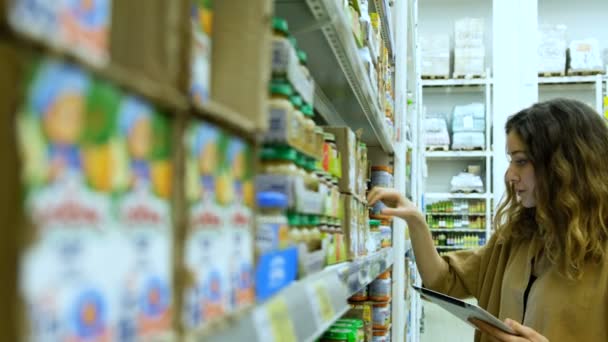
441, 326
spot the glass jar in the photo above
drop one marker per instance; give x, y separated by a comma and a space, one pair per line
380, 288
381, 315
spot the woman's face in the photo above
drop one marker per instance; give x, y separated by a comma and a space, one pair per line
520, 173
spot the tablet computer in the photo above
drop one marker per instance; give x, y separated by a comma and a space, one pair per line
462, 310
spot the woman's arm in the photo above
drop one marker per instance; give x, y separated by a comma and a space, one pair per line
430, 265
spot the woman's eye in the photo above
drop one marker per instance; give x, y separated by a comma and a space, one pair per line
521, 162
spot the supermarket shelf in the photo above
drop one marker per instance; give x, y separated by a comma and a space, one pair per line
454, 214
567, 79
448, 195
455, 82
457, 230
221, 113
457, 154
323, 30
306, 308
380, 7
456, 247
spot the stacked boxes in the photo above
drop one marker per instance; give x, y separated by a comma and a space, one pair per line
469, 49
98, 172
585, 55
552, 49
435, 55
468, 127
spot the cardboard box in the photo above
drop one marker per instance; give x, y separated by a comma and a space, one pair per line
353, 226
585, 55
346, 143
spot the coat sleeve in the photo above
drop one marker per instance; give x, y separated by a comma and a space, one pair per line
465, 269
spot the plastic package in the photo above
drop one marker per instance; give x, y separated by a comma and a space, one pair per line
585, 55
468, 140
552, 49
435, 51
466, 182
436, 132
469, 118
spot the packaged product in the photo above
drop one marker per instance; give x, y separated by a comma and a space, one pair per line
207, 247
144, 215
469, 48
551, 48
238, 164
380, 288
382, 176
82, 29
381, 335
386, 234
435, 55
339, 334
350, 226
359, 296
64, 283
585, 55
469, 118
356, 325
381, 315
346, 143
200, 74
468, 140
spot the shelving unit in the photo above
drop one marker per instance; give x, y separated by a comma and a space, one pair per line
321, 26
589, 89
449, 195
306, 308
457, 230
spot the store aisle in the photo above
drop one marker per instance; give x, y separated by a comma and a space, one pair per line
441, 326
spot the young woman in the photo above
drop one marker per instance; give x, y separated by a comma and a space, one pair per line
545, 269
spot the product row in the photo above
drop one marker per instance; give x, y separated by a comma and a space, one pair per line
457, 207
477, 222
467, 128
557, 57
370, 309
459, 240
373, 52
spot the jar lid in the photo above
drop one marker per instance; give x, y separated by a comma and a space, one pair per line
280, 24
374, 223
296, 100
378, 332
303, 57
381, 305
278, 153
382, 168
272, 199
307, 110
338, 333
294, 220
280, 88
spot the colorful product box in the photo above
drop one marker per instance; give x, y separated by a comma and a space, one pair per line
208, 191
80, 26
97, 177
202, 25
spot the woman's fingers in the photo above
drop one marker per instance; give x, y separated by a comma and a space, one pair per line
525, 331
493, 331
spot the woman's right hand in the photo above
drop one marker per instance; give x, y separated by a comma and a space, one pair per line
397, 204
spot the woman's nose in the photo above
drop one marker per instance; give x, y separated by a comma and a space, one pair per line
512, 176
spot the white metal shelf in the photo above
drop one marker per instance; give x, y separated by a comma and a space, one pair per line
454, 214
323, 29
568, 79
456, 247
457, 230
448, 195
457, 154
452, 82
306, 308
382, 8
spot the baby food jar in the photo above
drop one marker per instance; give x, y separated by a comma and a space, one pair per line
381, 315
359, 296
382, 176
273, 230
380, 288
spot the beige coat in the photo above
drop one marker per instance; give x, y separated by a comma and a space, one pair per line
560, 309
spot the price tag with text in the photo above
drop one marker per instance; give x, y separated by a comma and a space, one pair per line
273, 323
321, 302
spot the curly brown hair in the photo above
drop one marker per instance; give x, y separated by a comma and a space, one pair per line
567, 143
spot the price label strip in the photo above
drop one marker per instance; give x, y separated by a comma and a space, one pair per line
321, 303
273, 323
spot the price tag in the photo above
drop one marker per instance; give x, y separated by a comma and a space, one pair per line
273, 323
321, 302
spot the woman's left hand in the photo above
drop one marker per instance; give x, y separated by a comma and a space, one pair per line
524, 333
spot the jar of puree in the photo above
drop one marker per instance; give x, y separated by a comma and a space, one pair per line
284, 118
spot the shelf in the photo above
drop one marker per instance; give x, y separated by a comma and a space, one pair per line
448, 195
568, 79
456, 247
457, 154
323, 31
453, 82
454, 214
306, 308
380, 6
457, 230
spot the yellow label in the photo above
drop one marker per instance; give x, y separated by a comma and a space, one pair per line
321, 302
273, 322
